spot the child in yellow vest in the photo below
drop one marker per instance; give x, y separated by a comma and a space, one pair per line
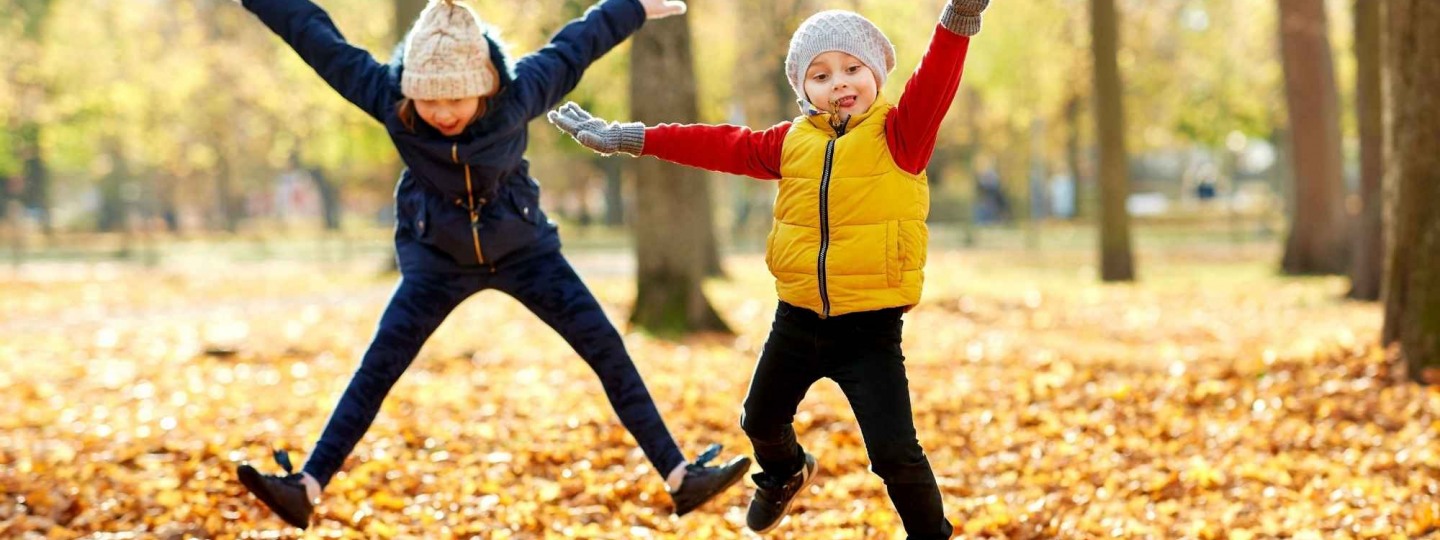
847, 246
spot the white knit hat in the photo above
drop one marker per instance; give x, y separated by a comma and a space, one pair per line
446, 55
842, 31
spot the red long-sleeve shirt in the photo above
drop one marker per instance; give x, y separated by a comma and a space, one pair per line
910, 128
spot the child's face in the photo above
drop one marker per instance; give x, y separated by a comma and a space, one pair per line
840, 84
450, 116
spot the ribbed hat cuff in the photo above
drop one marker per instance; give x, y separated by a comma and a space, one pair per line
446, 85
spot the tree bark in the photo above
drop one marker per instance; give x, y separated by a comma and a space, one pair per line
673, 224
1368, 251
1116, 261
1412, 287
1318, 239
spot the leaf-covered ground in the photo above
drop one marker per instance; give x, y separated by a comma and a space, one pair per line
1213, 400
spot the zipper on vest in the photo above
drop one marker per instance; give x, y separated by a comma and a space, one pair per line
825, 225
470, 205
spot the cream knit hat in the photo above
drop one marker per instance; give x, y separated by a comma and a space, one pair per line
446, 55
843, 31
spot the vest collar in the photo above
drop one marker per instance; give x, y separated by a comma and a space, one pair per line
822, 120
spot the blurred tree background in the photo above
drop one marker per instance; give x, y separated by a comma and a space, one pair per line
192, 119
129, 128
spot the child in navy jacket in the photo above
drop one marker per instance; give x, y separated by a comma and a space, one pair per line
468, 217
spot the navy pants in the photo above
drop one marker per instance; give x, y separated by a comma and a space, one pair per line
550, 288
861, 352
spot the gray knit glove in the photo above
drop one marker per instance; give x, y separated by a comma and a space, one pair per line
596, 134
963, 16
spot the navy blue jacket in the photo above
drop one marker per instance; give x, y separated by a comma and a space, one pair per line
434, 229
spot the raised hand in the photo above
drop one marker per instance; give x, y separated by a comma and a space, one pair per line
963, 16
659, 9
596, 134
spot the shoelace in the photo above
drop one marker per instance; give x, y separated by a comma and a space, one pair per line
711, 452
283, 459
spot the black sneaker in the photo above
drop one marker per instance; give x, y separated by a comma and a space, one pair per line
704, 483
285, 495
773, 496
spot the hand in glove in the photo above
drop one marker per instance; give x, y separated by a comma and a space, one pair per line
963, 16
659, 9
596, 134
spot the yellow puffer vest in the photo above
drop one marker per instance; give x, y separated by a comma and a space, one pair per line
849, 232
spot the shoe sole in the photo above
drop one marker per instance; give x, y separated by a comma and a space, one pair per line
742, 465
786, 510
255, 484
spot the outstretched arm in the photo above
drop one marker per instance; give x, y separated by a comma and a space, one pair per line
914, 124
350, 70
545, 76
727, 149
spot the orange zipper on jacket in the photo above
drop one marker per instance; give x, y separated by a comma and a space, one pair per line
474, 211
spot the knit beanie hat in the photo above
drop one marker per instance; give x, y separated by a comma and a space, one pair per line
843, 31
446, 55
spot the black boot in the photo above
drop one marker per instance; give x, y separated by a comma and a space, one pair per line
285, 495
703, 483
774, 495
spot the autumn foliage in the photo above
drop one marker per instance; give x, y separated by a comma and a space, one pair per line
1212, 400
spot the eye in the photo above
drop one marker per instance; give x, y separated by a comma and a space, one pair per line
820, 77
853, 69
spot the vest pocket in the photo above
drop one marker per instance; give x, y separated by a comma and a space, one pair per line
893, 262
770, 246
914, 242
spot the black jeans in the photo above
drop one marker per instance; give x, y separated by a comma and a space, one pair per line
545, 284
861, 352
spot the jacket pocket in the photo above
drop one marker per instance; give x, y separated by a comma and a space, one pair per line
446, 227
524, 198
419, 220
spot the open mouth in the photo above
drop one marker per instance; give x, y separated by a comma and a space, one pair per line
845, 101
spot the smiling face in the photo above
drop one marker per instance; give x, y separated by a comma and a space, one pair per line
450, 116
839, 83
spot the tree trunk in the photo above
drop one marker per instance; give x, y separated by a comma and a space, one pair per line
329, 198
614, 190
1072, 154
227, 201
671, 220
35, 175
406, 11
1116, 261
1317, 243
36, 191
1412, 288
1368, 262
114, 209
